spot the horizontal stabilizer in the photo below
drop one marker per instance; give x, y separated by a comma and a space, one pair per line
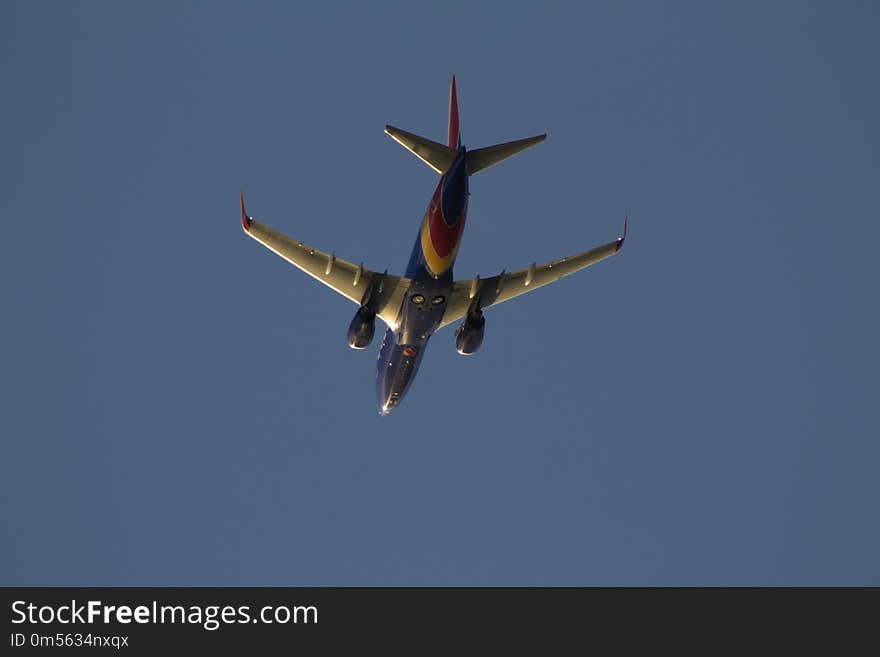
482, 158
437, 156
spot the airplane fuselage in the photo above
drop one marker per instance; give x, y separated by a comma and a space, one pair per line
430, 273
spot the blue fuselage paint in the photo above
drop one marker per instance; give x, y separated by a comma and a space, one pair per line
423, 306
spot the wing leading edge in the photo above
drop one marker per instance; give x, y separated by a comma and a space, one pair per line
383, 291
483, 293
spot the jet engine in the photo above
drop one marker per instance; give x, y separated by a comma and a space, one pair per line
361, 329
469, 336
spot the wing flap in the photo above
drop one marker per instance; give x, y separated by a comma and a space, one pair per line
484, 293
350, 280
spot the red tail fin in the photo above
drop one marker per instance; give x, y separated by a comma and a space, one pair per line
453, 138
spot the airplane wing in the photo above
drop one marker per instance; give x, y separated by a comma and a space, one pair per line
354, 282
484, 293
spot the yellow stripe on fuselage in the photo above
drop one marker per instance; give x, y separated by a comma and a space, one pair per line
436, 263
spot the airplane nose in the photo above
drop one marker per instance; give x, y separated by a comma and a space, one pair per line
395, 370
387, 400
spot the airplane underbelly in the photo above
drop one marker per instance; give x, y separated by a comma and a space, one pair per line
395, 370
401, 352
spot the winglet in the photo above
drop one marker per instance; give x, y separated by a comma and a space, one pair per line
245, 219
622, 238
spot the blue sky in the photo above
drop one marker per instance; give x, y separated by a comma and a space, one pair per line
179, 406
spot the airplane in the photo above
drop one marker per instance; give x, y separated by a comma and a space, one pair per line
427, 297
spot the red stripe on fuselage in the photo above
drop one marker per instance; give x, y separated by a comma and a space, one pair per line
443, 237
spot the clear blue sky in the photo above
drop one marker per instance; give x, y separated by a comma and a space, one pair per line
179, 406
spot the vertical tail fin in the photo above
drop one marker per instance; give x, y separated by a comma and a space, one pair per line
453, 137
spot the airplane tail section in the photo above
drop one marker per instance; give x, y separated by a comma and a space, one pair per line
440, 157
483, 158
435, 155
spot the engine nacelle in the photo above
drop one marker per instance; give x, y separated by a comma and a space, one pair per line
362, 328
469, 336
